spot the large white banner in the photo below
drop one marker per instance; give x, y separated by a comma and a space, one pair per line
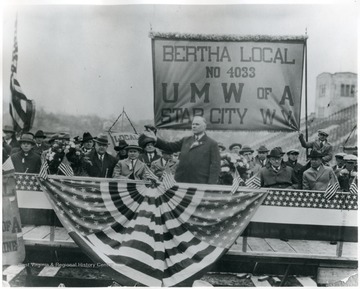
235, 83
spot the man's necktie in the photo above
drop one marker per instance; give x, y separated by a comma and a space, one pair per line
321, 144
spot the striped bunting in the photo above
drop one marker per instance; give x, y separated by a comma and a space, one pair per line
353, 187
145, 236
22, 110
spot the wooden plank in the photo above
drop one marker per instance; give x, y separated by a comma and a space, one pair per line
239, 245
313, 247
38, 233
331, 275
27, 228
259, 245
306, 281
61, 234
258, 283
49, 271
279, 246
350, 249
12, 271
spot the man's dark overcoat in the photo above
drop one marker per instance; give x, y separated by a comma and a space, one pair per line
199, 161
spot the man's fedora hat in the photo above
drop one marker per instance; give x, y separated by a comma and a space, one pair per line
262, 149
314, 154
86, 137
102, 139
121, 145
246, 149
234, 145
40, 134
8, 128
134, 147
275, 153
27, 137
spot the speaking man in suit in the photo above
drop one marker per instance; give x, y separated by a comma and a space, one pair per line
199, 160
101, 164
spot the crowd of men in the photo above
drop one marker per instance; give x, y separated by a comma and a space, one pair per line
193, 159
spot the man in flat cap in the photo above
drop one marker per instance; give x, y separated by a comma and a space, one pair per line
320, 145
260, 159
292, 162
101, 164
349, 173
318, 176
340, 163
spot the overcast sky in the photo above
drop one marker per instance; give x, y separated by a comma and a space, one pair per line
83, 59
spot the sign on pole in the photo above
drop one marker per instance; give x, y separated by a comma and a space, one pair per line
236, 83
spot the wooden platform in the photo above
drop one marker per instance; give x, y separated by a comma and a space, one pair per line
250, 247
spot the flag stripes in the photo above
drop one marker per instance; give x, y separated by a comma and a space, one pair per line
353, 187
22, 110
44, 170
151, 236
65, 167
236, 181
8, 166
331, 190
254, 182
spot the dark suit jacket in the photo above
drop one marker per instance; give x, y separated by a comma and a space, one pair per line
197, 164
145, 158
96, 169
30, 164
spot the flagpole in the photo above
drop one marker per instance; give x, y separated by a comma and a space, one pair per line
306, 98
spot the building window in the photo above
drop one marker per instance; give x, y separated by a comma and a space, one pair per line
347, 90
322, 90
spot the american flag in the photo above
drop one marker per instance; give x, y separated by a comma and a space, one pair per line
236, 181
44, 170
254, 182
331, 190
145, 236
353, 187
65, 167
22, 110
8, 167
